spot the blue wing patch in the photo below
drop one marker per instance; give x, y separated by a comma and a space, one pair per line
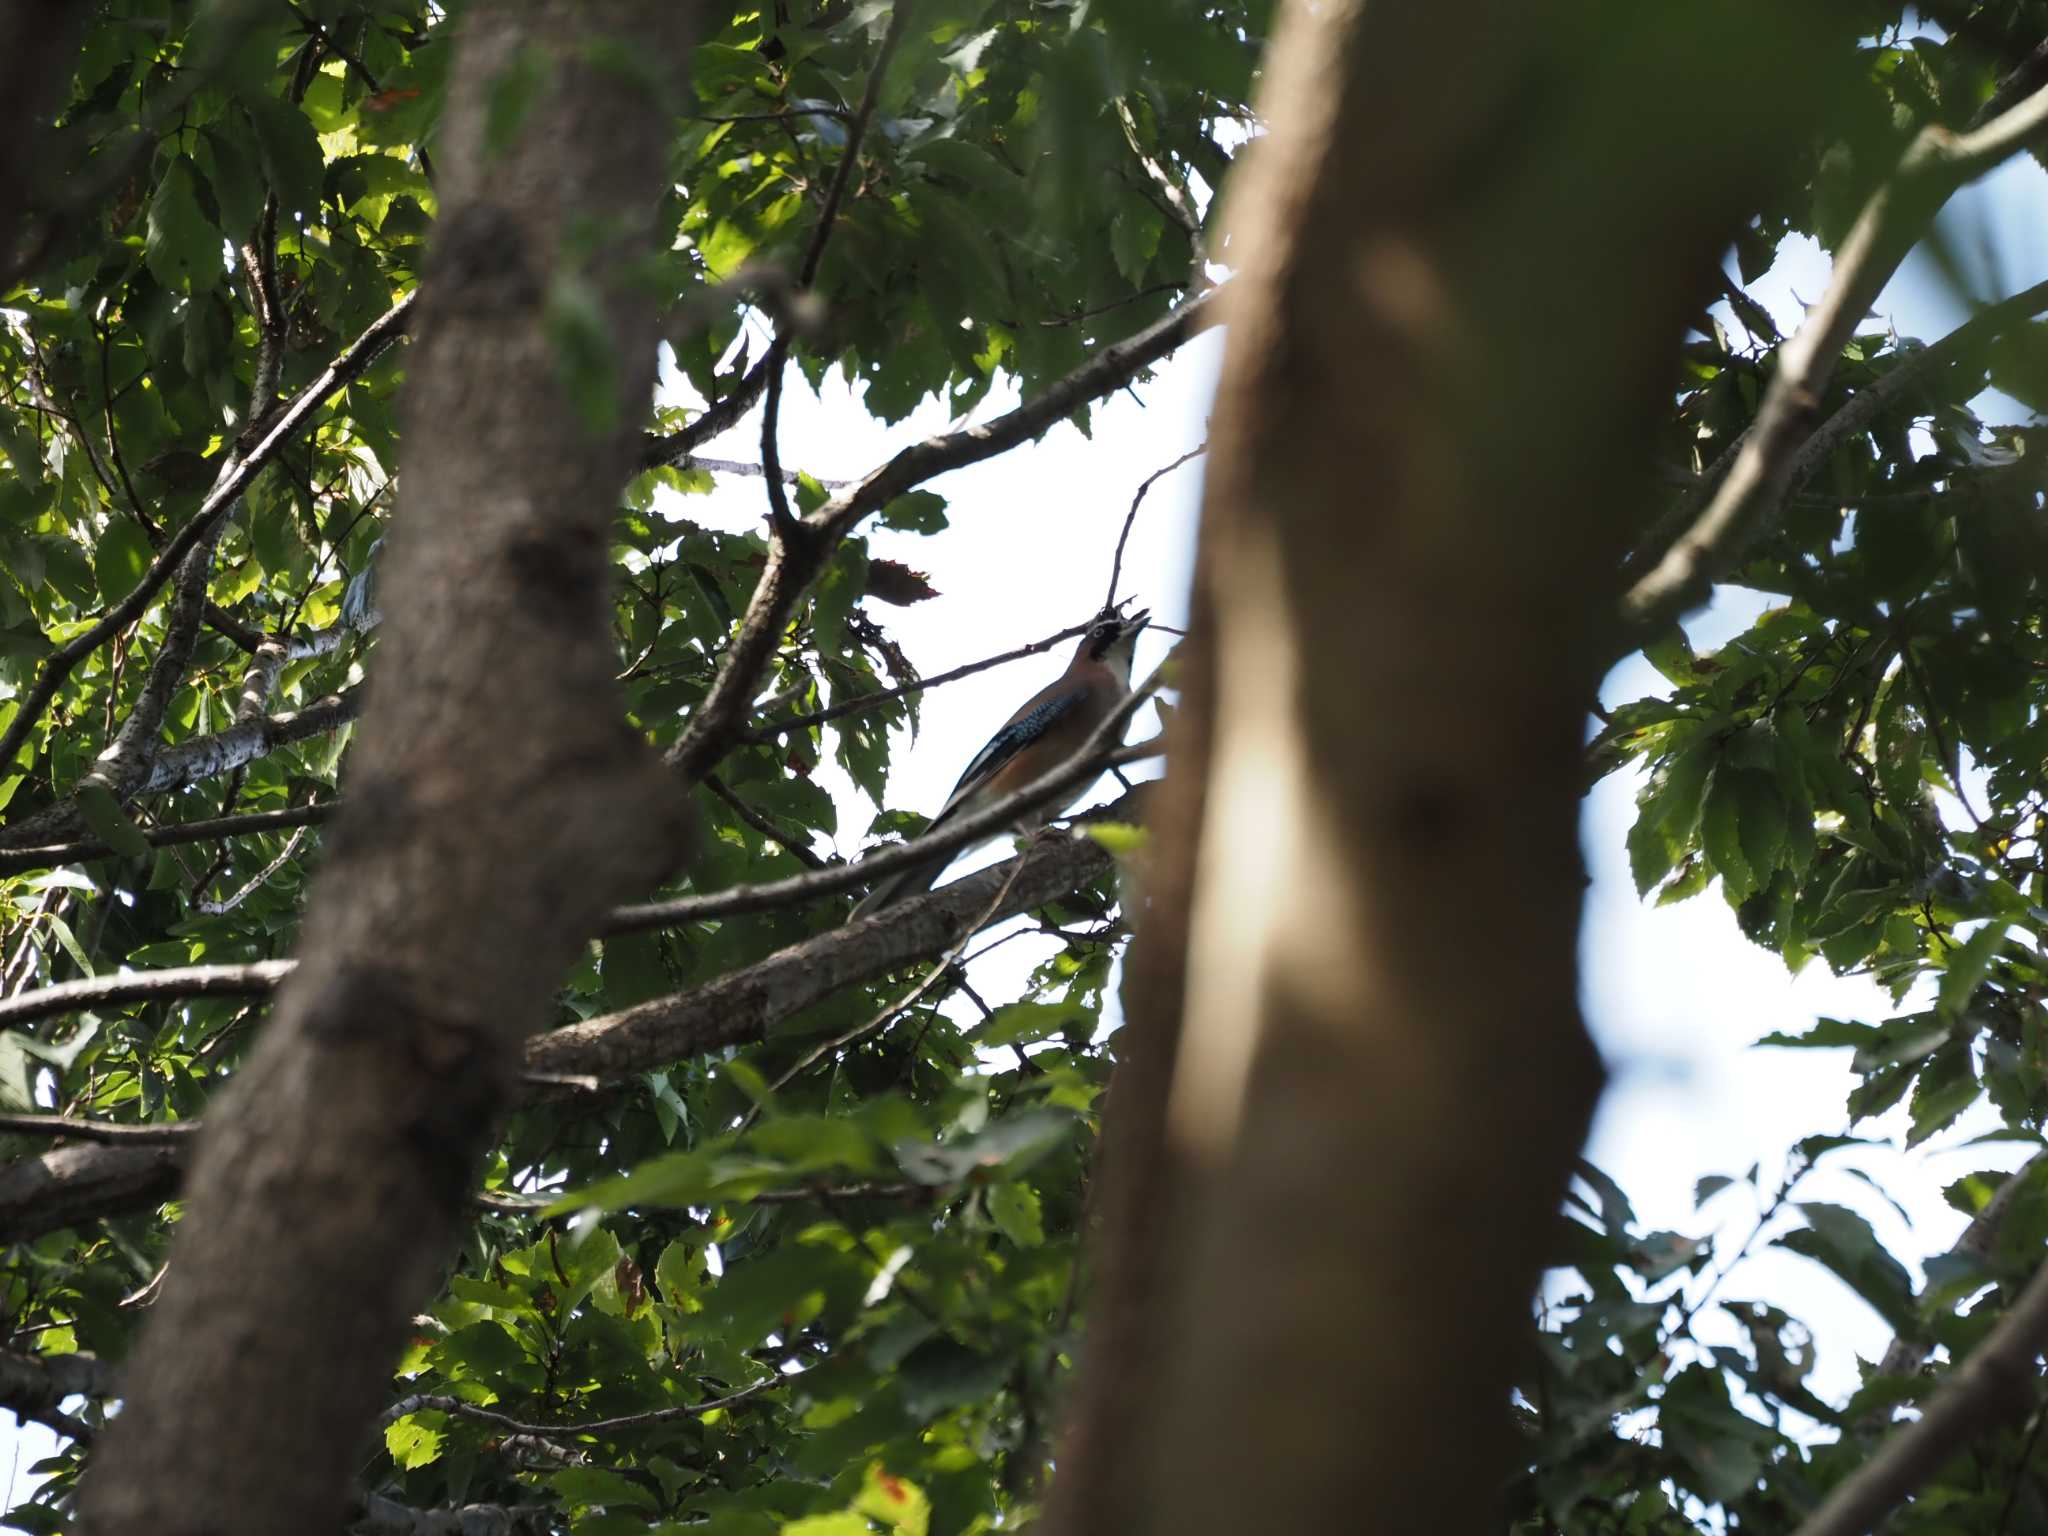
1012, 739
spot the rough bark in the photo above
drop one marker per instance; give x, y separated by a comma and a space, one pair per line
470, 863
1363, 1097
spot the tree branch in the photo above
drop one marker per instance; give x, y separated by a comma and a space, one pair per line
34, 1387
379, 1516
1993, 1384
718, 417
1855, 416
258, 978
69, 1185
465, 1410
1746, 505
717, 723
269, 434
105, 1132
763, 735
254, 979
15, 861
795, 847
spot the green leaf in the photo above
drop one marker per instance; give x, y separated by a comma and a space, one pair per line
597, 1485
1965, 968
1014, 1207
1013, 1143
1134, 240
1760, 823
1027, 1022
1842, 1242
289, 151
415, 1440
1721, 832
120, 559
183, 246
1119, 838
109, 822
893, 1502
916, 512
942, 1374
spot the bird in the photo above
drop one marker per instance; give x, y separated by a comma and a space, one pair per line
1047, 729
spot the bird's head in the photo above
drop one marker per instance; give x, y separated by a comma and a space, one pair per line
1111, 639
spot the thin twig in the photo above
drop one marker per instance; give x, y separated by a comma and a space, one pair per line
255, 882
763, 735
16, 861
1116, 566
73, 1128
718, 722
795, 848
466, 1410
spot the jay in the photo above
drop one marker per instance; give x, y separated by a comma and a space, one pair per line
1046, 730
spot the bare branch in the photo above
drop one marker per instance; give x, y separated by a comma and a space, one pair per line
106, 1132
465, 1410
1746, 505
718, 417
14, 861
765, 734
34, 1387
255, 979
1116, 566
741, 467
795, 847
69, 1185
206, 757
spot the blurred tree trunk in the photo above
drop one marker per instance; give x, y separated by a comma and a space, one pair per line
38, 39
497, 802
1356, 1078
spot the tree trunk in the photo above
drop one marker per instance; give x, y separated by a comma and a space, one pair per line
1357, 1078
498, 803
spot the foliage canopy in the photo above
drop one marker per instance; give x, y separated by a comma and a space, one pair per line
836, 1291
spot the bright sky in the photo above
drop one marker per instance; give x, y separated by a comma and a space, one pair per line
1674, 996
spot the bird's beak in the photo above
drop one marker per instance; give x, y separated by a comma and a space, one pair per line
1137, 621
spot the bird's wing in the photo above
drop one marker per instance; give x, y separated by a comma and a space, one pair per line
1012, 739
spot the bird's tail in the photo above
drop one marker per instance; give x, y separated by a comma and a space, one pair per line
902, 885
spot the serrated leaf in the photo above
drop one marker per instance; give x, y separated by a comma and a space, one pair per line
1842, 1242
1721, 832
413, 1442
182, 246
